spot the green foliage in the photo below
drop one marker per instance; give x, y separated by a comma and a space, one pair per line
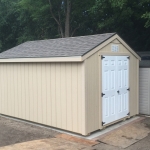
125, 18
8, 24
147, 16
25, 20
35, 20
146, 5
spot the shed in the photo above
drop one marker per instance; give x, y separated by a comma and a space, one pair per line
79, 84
144, 86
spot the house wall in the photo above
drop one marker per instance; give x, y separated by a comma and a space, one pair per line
46, 93
93, 78
144, 91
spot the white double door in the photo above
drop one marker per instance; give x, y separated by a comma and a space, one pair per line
115, 88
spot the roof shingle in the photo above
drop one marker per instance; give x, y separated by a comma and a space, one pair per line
62, 47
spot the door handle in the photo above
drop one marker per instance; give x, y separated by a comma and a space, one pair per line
118, 91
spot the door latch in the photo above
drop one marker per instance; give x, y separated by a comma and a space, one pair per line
118, 91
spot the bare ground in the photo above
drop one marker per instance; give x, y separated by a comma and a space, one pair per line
12, 132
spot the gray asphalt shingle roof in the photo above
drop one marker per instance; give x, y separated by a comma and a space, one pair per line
62, 47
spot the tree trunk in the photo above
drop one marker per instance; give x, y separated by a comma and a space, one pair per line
67, 23
62, 32
57, 21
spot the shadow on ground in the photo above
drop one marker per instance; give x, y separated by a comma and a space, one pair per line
12, 132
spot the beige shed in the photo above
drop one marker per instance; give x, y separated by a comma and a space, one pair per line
79, 84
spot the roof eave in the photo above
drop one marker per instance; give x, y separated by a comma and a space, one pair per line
50, 59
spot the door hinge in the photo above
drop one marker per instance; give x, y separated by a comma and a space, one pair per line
102, 57
128, 57
128, 89
128, 114
102, 94
103, 123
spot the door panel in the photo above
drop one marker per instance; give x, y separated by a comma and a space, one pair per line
122, 80
115, 79
109, 88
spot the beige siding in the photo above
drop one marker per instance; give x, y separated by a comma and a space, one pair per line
122, 49
115, 42
92, 92
47, 93
94, 82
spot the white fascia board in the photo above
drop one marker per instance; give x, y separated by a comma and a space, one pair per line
52, 59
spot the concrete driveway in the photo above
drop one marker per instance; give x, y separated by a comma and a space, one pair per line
16, 135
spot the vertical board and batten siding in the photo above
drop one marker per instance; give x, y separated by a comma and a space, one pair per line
93, 78
92, 93
46, 93
144, 91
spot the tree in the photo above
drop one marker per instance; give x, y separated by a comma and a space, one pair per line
8, 24
146, 15
63, 11
125, 18
26, 20
66, 15
63, 7
35, 20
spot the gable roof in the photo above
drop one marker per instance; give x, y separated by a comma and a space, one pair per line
72, 49
62, 47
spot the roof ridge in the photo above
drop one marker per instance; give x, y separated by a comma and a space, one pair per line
71, 37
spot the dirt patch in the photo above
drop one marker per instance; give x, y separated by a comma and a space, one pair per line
12, 132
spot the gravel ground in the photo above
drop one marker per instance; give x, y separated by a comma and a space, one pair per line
12, 132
